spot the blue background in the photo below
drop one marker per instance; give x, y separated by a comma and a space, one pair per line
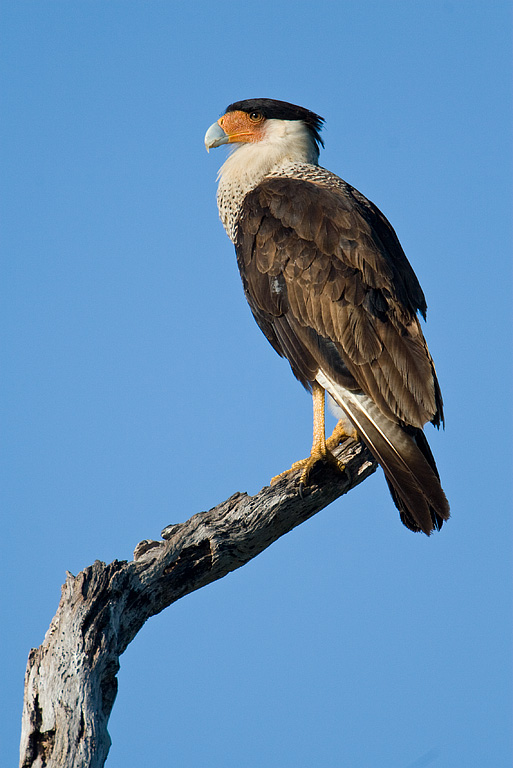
137, 389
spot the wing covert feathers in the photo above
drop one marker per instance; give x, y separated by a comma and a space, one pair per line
332, 290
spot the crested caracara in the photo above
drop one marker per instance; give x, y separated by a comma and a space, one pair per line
332, 290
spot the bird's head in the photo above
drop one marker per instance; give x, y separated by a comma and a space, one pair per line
269, 123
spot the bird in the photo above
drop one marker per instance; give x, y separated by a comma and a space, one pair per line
332, 290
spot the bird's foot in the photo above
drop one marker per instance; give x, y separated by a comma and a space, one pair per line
319, 455
340, 433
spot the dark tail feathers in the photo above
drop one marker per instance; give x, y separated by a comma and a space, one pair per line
407, 462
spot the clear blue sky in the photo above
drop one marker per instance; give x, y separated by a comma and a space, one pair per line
137, 389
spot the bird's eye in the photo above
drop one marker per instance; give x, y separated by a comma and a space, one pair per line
255, 117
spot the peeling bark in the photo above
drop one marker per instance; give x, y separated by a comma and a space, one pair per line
70, 682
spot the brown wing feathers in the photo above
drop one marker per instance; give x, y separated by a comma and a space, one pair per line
347, 295
331, 288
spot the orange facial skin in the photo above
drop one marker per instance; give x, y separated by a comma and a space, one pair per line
242, 127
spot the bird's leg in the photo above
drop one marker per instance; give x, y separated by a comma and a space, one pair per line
338, 434
320, 450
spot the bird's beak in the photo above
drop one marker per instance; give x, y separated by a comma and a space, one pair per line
215, 136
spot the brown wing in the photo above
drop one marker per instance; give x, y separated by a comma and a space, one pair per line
331, 288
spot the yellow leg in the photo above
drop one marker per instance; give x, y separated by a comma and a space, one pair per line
320, 450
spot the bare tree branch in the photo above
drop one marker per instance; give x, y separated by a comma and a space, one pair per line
70, 682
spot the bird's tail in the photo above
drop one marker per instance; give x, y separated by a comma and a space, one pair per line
405, 456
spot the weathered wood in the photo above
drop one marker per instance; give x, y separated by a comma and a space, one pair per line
70, 682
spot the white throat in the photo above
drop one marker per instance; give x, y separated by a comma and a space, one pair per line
285, 143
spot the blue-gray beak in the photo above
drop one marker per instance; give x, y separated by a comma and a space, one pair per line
215, 136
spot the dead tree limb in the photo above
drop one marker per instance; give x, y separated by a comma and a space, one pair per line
70, 682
